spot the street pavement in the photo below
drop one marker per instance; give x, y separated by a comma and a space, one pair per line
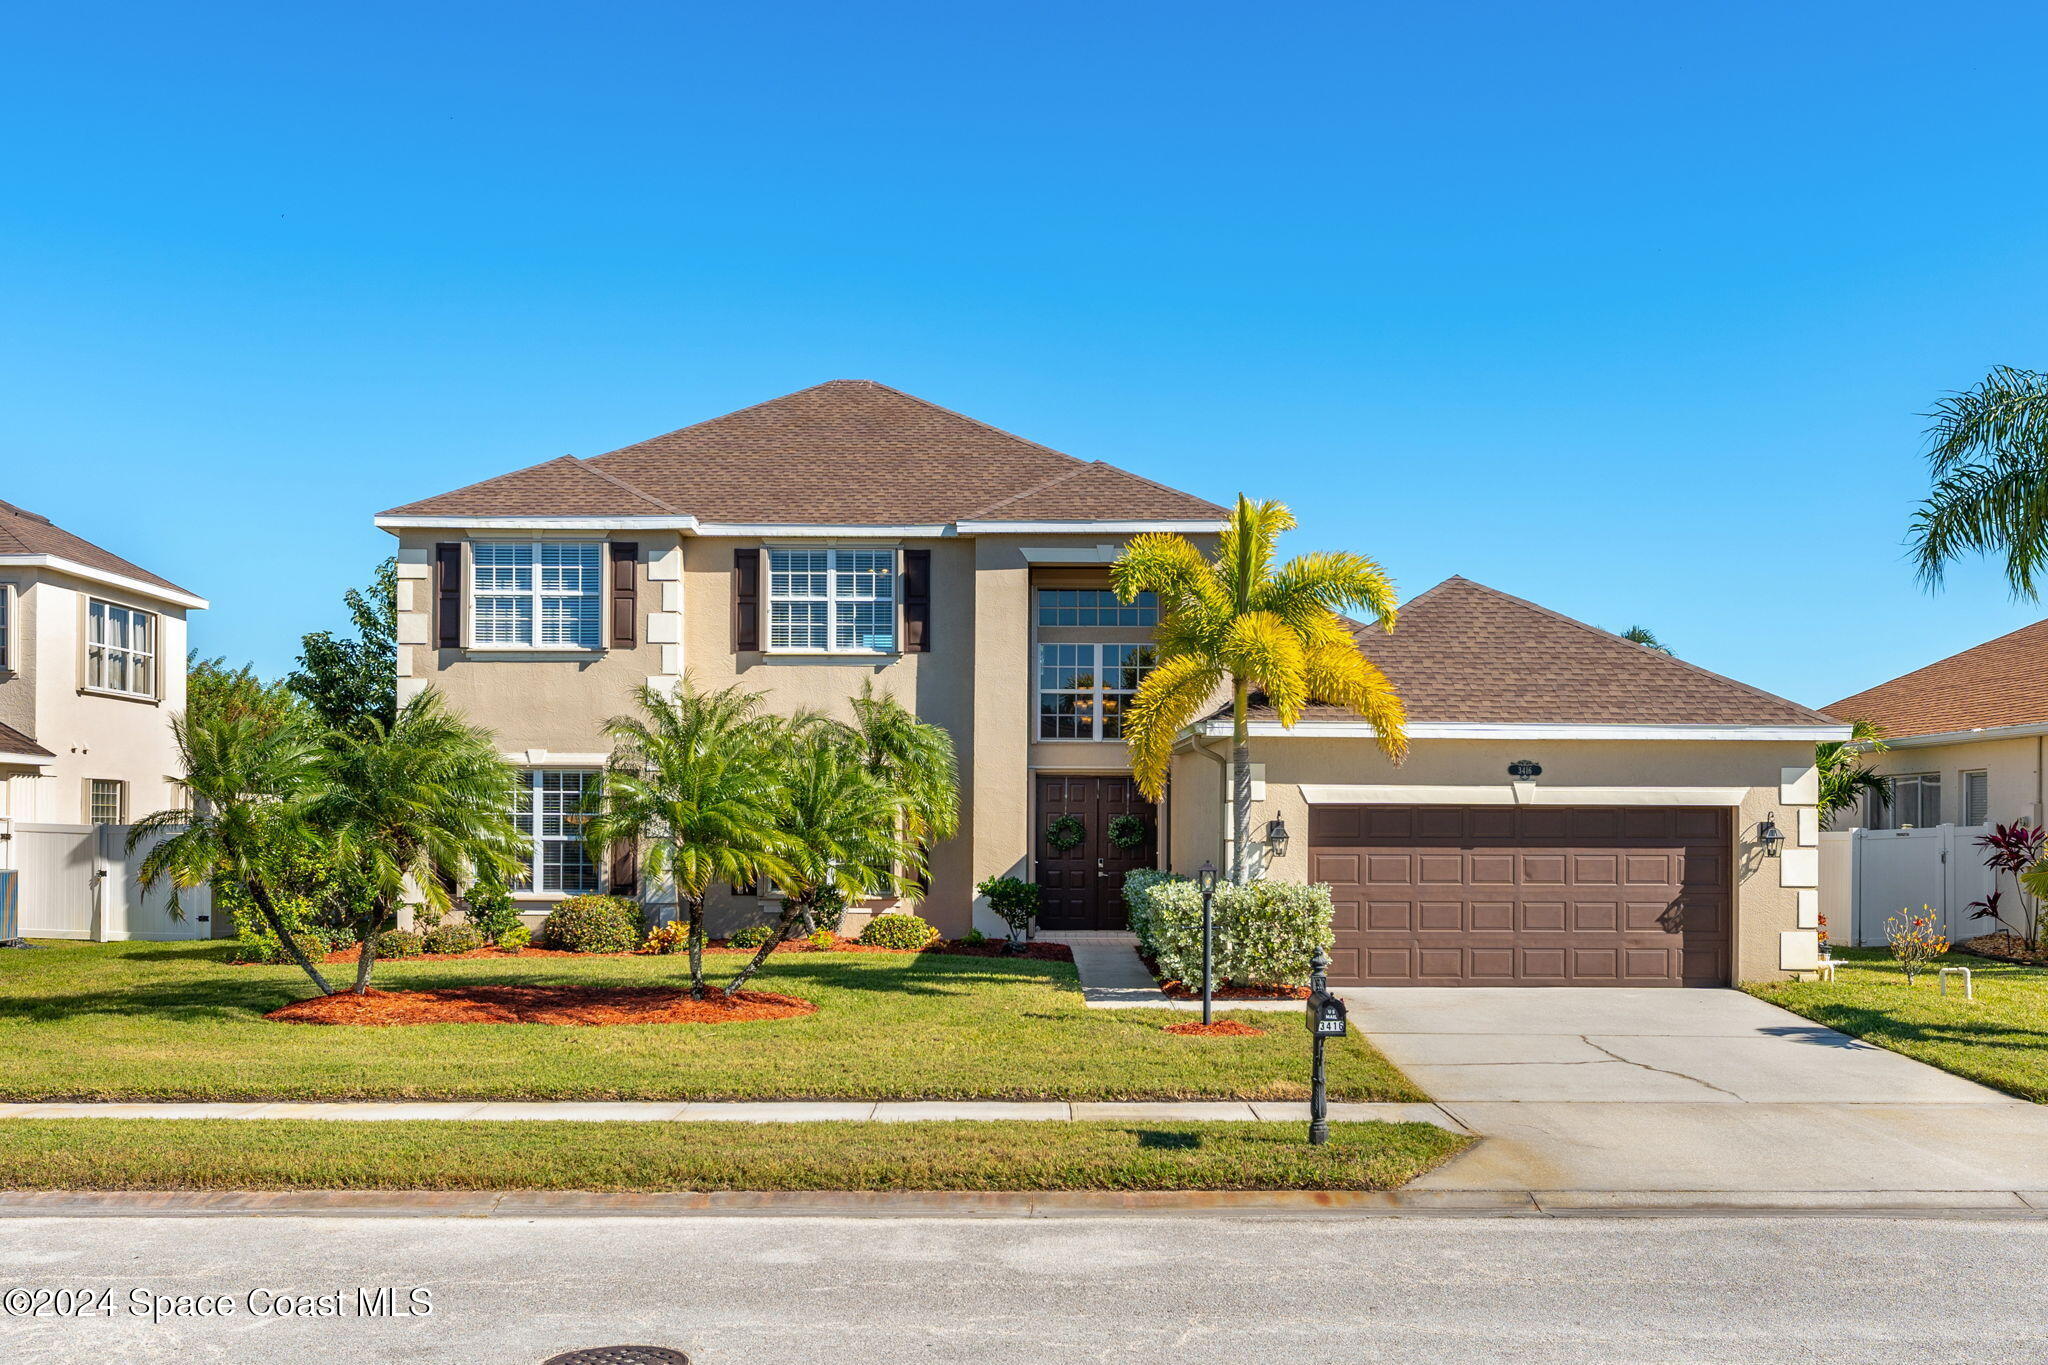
1293, 1290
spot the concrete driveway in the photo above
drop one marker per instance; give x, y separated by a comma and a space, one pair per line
1589, 1090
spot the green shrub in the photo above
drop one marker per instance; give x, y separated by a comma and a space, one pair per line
1137, 902
593, 924
265, 948
1015, 900
400, 943
898, 930
753, 936
515, 938
454, 938
1263, 933
312, 887
491, 910
823, 939
975, 936
827, 910
672, 937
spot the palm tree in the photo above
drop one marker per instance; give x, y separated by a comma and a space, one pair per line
694, 777
1239, 622
914, 758
1647, 638
1988, 454
247, 778
840, 822
1843, 780
422, 804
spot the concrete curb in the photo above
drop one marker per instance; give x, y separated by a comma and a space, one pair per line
1022, 1204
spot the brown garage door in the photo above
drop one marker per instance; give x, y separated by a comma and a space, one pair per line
1525, 895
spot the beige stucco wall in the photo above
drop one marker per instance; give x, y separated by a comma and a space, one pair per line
93, 735
2012, 768
1767, 902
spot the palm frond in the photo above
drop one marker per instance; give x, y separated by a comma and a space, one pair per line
1343, 677
1171, 697
1262, 650
1988, 456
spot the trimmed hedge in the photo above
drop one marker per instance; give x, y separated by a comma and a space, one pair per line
898, 930
1263, 933
400, 943
454, 938
593, 924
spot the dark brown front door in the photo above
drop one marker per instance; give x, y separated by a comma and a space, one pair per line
1526, 895
1083, 886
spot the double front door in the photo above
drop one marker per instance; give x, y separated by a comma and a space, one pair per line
1087, 833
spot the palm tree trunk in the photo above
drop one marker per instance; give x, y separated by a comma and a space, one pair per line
696, 942
366, 950
792, 910
260, 893
1240, 783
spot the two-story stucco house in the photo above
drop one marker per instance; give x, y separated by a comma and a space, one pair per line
1577, 809
92, 668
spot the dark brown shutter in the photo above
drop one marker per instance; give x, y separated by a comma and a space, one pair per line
625, 868
625, 593
448, 594
746, 600
917, 601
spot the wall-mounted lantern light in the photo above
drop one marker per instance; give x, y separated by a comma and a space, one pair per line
1770, 836
1276, 836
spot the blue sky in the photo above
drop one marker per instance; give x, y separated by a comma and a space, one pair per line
1628, 309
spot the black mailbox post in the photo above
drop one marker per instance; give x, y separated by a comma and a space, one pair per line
1326, 1019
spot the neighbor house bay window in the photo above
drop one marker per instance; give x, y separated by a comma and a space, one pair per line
832, 601
120, 649
548, 810
544, 596
1084, 690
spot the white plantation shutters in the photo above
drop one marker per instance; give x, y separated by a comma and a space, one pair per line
548, 595
832, 601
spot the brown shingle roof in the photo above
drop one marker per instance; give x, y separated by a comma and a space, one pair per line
13, 741
1464, 652
26, 533
849, 452
2000, 682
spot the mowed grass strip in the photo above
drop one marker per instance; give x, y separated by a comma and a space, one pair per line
288, 1154
2000, 1038
161, 1021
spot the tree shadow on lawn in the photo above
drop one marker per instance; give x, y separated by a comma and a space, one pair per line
1866, 1022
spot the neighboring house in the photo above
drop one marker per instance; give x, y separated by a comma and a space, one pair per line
850, 532
1576, 809
1966, 736
92, 668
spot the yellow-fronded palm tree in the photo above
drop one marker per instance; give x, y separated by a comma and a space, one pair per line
1239, 622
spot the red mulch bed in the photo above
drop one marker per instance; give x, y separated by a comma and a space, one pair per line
1033, 952
1222, 1028
541, 1005
2003, 947
1225, 990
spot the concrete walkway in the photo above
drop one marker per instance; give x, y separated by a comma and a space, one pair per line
1114, 977
764, 1111
1693, 1093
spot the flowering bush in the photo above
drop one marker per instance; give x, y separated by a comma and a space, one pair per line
897, 930
1263, 933
1914, 941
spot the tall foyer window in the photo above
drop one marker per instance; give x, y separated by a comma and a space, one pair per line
1095, 607
1083, 690
538, 594
548, 811
832, 601
120, 649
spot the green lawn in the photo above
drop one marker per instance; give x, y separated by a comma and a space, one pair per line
284, 1154
171, 1021
2000, 1038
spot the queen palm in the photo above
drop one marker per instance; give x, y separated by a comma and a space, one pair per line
1988, 454
913, 757
248, 778
1240, 624
421, 805
1844, 780
844, 830
693, 776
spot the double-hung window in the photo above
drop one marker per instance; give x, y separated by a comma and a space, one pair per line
1084, 690
1977, 797
548, 811
108, 801
538, 594
831, 601
120, 649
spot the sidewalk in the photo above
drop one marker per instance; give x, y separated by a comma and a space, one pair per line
1113, 977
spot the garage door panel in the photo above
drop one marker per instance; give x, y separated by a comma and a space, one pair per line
1528, 896
1332, 825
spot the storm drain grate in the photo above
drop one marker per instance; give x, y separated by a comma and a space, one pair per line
620, 1355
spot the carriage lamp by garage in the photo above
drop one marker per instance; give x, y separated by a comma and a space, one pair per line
1276, 836
1206, 877
1770, 836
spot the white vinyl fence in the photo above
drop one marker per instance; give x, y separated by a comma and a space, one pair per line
79, 881
1869, 875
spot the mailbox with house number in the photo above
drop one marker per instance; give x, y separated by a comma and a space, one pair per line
1325, 1015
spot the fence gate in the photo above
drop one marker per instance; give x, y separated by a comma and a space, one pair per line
80, 882
1870, 875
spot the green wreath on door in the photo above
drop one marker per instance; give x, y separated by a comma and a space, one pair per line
1065, 832
1128, 832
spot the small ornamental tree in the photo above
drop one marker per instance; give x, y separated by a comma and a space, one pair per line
2015, 850
1914, 941
1016, 901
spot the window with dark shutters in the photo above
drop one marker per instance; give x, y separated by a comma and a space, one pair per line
917, 601
625, 593
448, 594
746, 600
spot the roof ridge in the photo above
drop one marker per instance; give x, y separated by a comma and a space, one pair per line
1937, 663
1610, 635
24, 512
590, 467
